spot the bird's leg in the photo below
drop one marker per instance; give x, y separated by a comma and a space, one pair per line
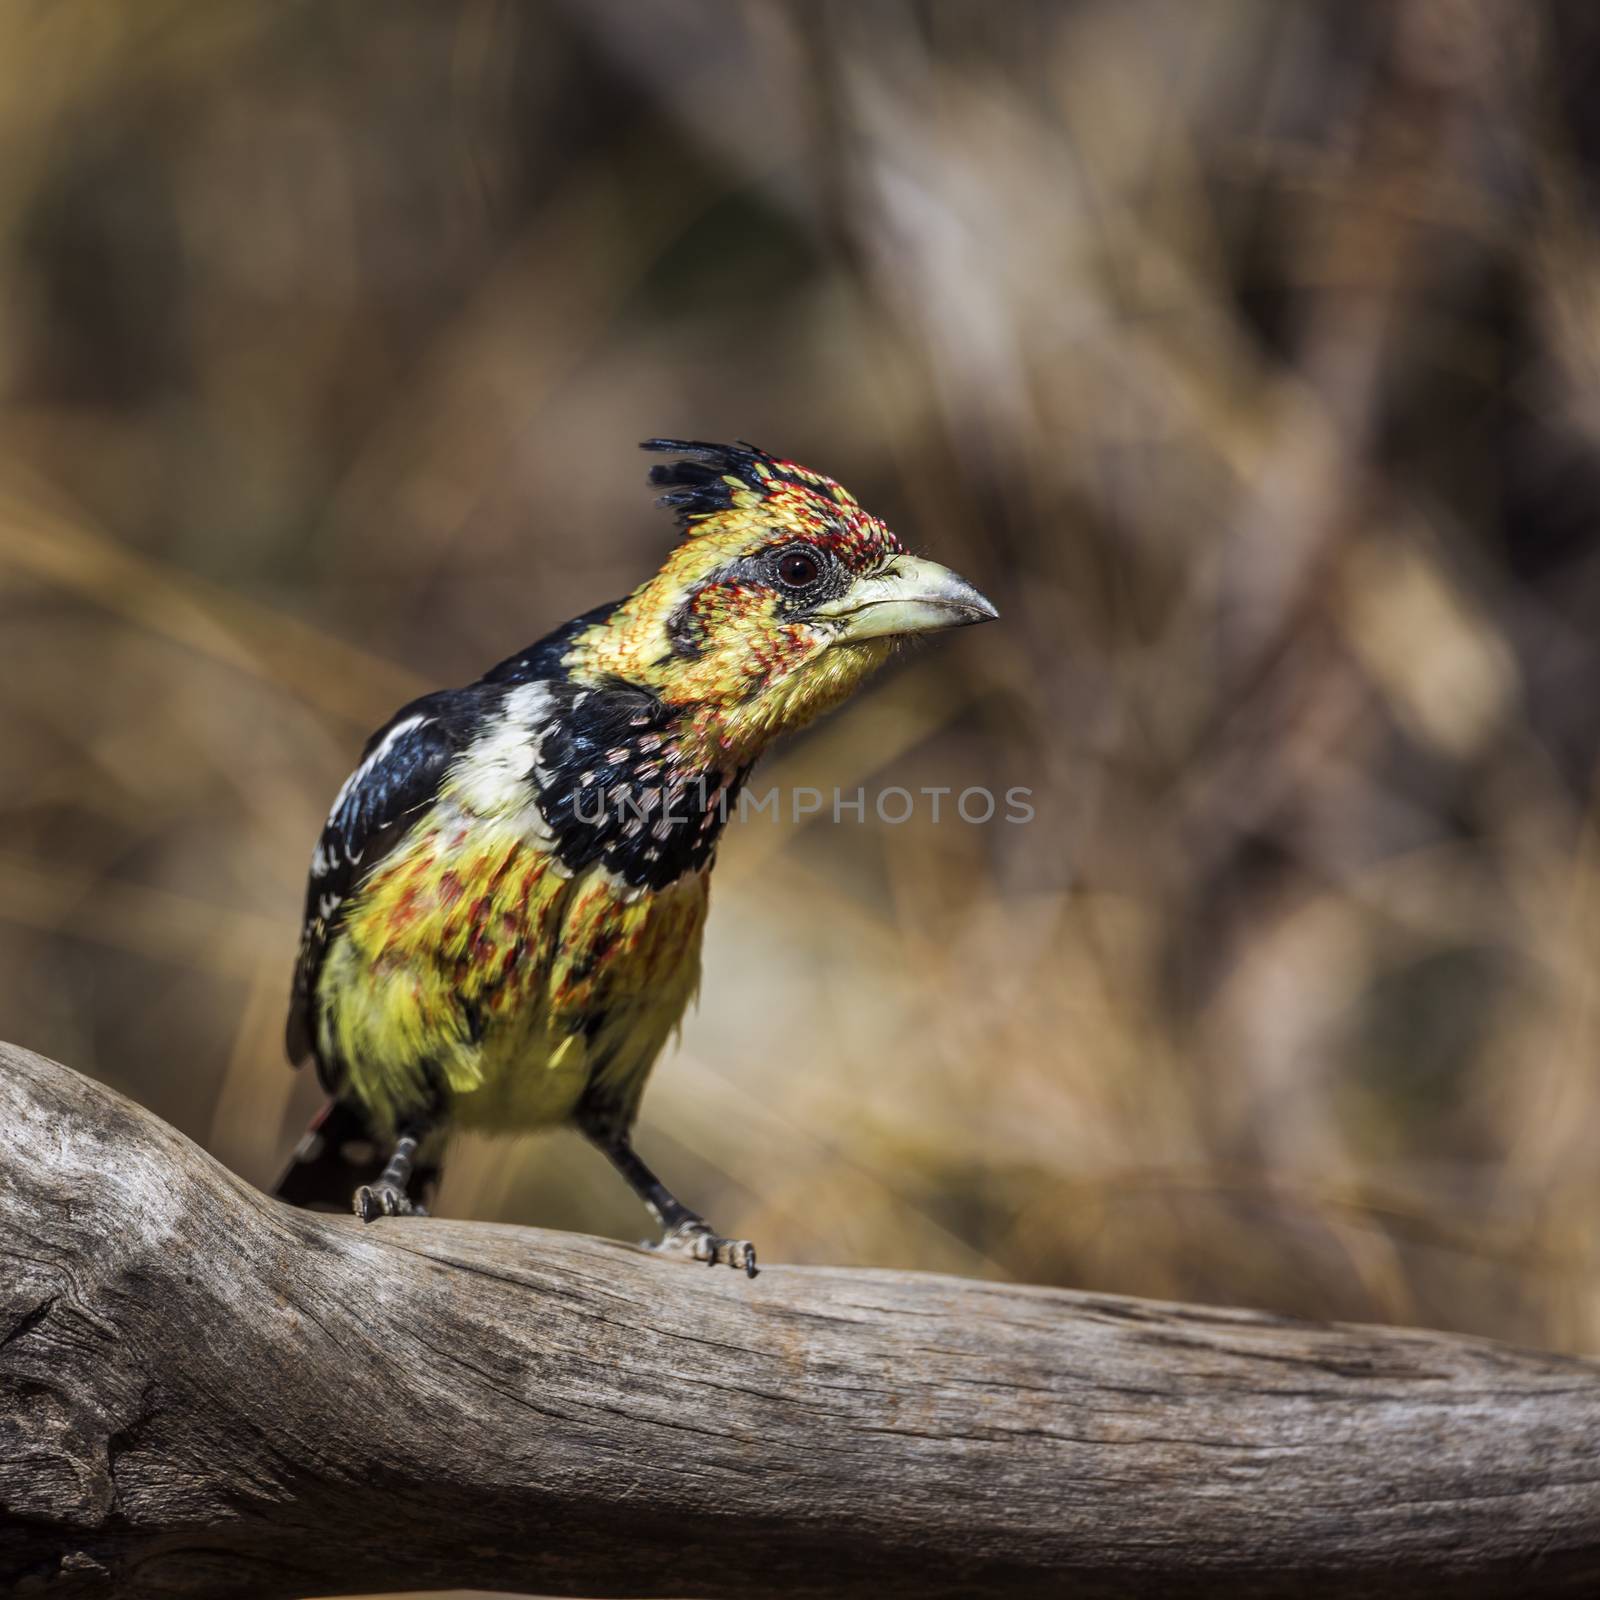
683, 1232
390, 1195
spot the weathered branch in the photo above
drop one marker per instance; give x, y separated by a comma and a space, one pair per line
205, 1393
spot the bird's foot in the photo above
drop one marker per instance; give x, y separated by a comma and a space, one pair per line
374, 1200
696, 1240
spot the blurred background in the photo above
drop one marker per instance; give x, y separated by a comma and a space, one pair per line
1246, 353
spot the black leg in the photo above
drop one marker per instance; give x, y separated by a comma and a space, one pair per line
390, 1195
683, 1231
659, 1200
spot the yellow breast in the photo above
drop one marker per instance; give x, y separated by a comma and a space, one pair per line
471, 959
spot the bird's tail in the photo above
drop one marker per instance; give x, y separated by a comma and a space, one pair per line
337, 1155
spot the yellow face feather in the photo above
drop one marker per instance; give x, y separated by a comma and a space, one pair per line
714, 633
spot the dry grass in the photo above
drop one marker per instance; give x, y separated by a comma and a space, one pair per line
1245, 353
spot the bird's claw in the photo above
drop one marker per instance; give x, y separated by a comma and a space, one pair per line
374, 1200
696, 1241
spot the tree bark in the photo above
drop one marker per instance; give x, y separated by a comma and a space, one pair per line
203, 1392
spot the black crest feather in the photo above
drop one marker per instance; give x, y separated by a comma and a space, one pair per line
697, 485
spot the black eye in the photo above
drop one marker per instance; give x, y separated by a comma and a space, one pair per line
798, 569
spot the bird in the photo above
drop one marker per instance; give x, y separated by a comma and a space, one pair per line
505, 907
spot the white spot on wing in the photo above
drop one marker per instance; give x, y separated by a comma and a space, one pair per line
496, 775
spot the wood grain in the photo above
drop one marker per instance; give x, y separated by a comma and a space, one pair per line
203, 1392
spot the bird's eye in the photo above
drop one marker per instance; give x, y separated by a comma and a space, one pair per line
798, 569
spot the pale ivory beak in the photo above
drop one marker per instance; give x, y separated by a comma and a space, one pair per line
909, 596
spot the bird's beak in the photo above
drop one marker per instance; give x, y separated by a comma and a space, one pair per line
909, 596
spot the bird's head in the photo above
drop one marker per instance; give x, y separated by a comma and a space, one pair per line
781, 597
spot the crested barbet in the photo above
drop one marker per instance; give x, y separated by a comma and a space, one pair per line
505, 908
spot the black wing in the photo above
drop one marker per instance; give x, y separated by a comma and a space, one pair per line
398, 779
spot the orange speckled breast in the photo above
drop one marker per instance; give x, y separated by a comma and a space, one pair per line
471, 959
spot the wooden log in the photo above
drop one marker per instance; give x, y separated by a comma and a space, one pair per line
203, 1392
